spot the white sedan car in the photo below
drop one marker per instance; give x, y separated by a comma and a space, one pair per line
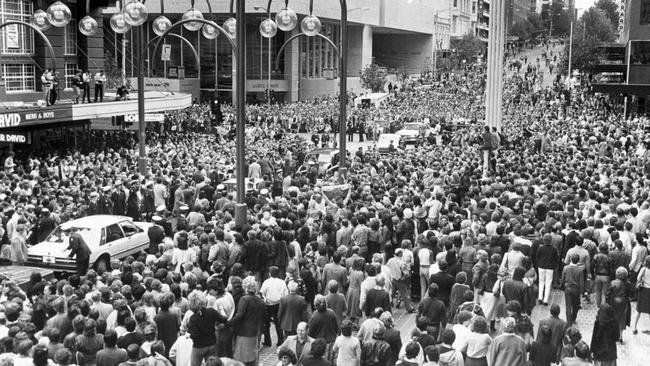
107, 237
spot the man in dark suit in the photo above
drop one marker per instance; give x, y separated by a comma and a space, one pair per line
156, 234
45, 225
119, 199
293, 310
377, 297
557, 326
444, 280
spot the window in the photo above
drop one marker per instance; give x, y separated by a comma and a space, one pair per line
70, 38
16, 39
19, 77
113, 233
129, 228
70, 70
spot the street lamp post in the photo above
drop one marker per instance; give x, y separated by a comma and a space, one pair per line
286, 20
436, 42
268, 80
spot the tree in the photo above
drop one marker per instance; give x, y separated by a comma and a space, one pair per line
610, 9
536, 22
468, 47
522, 29
374, 77
592, 31
113, 73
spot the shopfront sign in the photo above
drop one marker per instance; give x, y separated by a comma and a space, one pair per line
263, 85
34, 116
15, 137
149, 117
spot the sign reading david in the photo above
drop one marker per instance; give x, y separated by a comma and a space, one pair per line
25, 117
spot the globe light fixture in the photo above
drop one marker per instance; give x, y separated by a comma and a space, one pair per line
88, 26
161, 24
193, 14
119, 24
230, 25
59, 14
268, 28
135, 13
286, 19
210, 32
311, 25
40, 20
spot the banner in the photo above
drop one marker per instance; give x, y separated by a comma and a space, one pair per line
23, 117
334, 192
15, 137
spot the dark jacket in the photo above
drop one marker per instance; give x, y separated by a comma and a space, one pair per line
445, 282
547, 257
255, 255
376, 299
201, 327
375, 352
293, 310
249, 317
323, 324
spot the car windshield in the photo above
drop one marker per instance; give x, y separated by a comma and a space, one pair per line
411, 126
62, 234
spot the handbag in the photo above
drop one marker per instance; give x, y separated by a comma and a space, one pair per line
639, 281
496, 290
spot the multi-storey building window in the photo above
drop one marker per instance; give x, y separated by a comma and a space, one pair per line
70, 70
16, 39
19, 77
70, 38
318, 59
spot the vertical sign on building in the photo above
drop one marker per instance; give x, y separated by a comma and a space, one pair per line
166, 52
12, 36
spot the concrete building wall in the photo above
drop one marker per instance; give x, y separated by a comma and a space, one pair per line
637, 20
403, 52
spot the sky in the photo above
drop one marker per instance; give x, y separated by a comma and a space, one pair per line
584, 4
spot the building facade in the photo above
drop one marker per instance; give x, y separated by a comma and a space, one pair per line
396, 34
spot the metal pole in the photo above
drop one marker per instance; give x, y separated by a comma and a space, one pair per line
343, 86
268, 83
240, 211
435, 44
570, 51
142, 158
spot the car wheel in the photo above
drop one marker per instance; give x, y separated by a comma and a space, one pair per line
101, 265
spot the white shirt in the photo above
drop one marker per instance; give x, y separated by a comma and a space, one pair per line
182, 350
273, 289
225, 305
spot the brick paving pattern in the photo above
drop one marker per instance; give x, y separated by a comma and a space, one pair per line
634, 352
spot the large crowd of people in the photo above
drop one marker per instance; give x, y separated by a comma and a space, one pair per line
563, 209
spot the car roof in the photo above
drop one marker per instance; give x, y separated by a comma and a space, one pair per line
96, 221
322, 151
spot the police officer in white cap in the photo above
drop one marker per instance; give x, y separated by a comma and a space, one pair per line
156, 234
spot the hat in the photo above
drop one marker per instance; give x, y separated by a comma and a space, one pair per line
106, 188
184, 208
94, 194
408, 213
161, 208
156, 218
221, 187
149, 183
264, 191
118, 182
45, 210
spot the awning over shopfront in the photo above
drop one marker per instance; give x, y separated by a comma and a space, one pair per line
17, 118
631, 89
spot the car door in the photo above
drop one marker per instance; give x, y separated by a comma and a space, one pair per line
115, 242
132, 237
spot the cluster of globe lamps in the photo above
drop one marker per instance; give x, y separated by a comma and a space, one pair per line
134, 13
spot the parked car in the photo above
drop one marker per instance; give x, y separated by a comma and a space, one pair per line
323, 157
412, 132
107, 236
